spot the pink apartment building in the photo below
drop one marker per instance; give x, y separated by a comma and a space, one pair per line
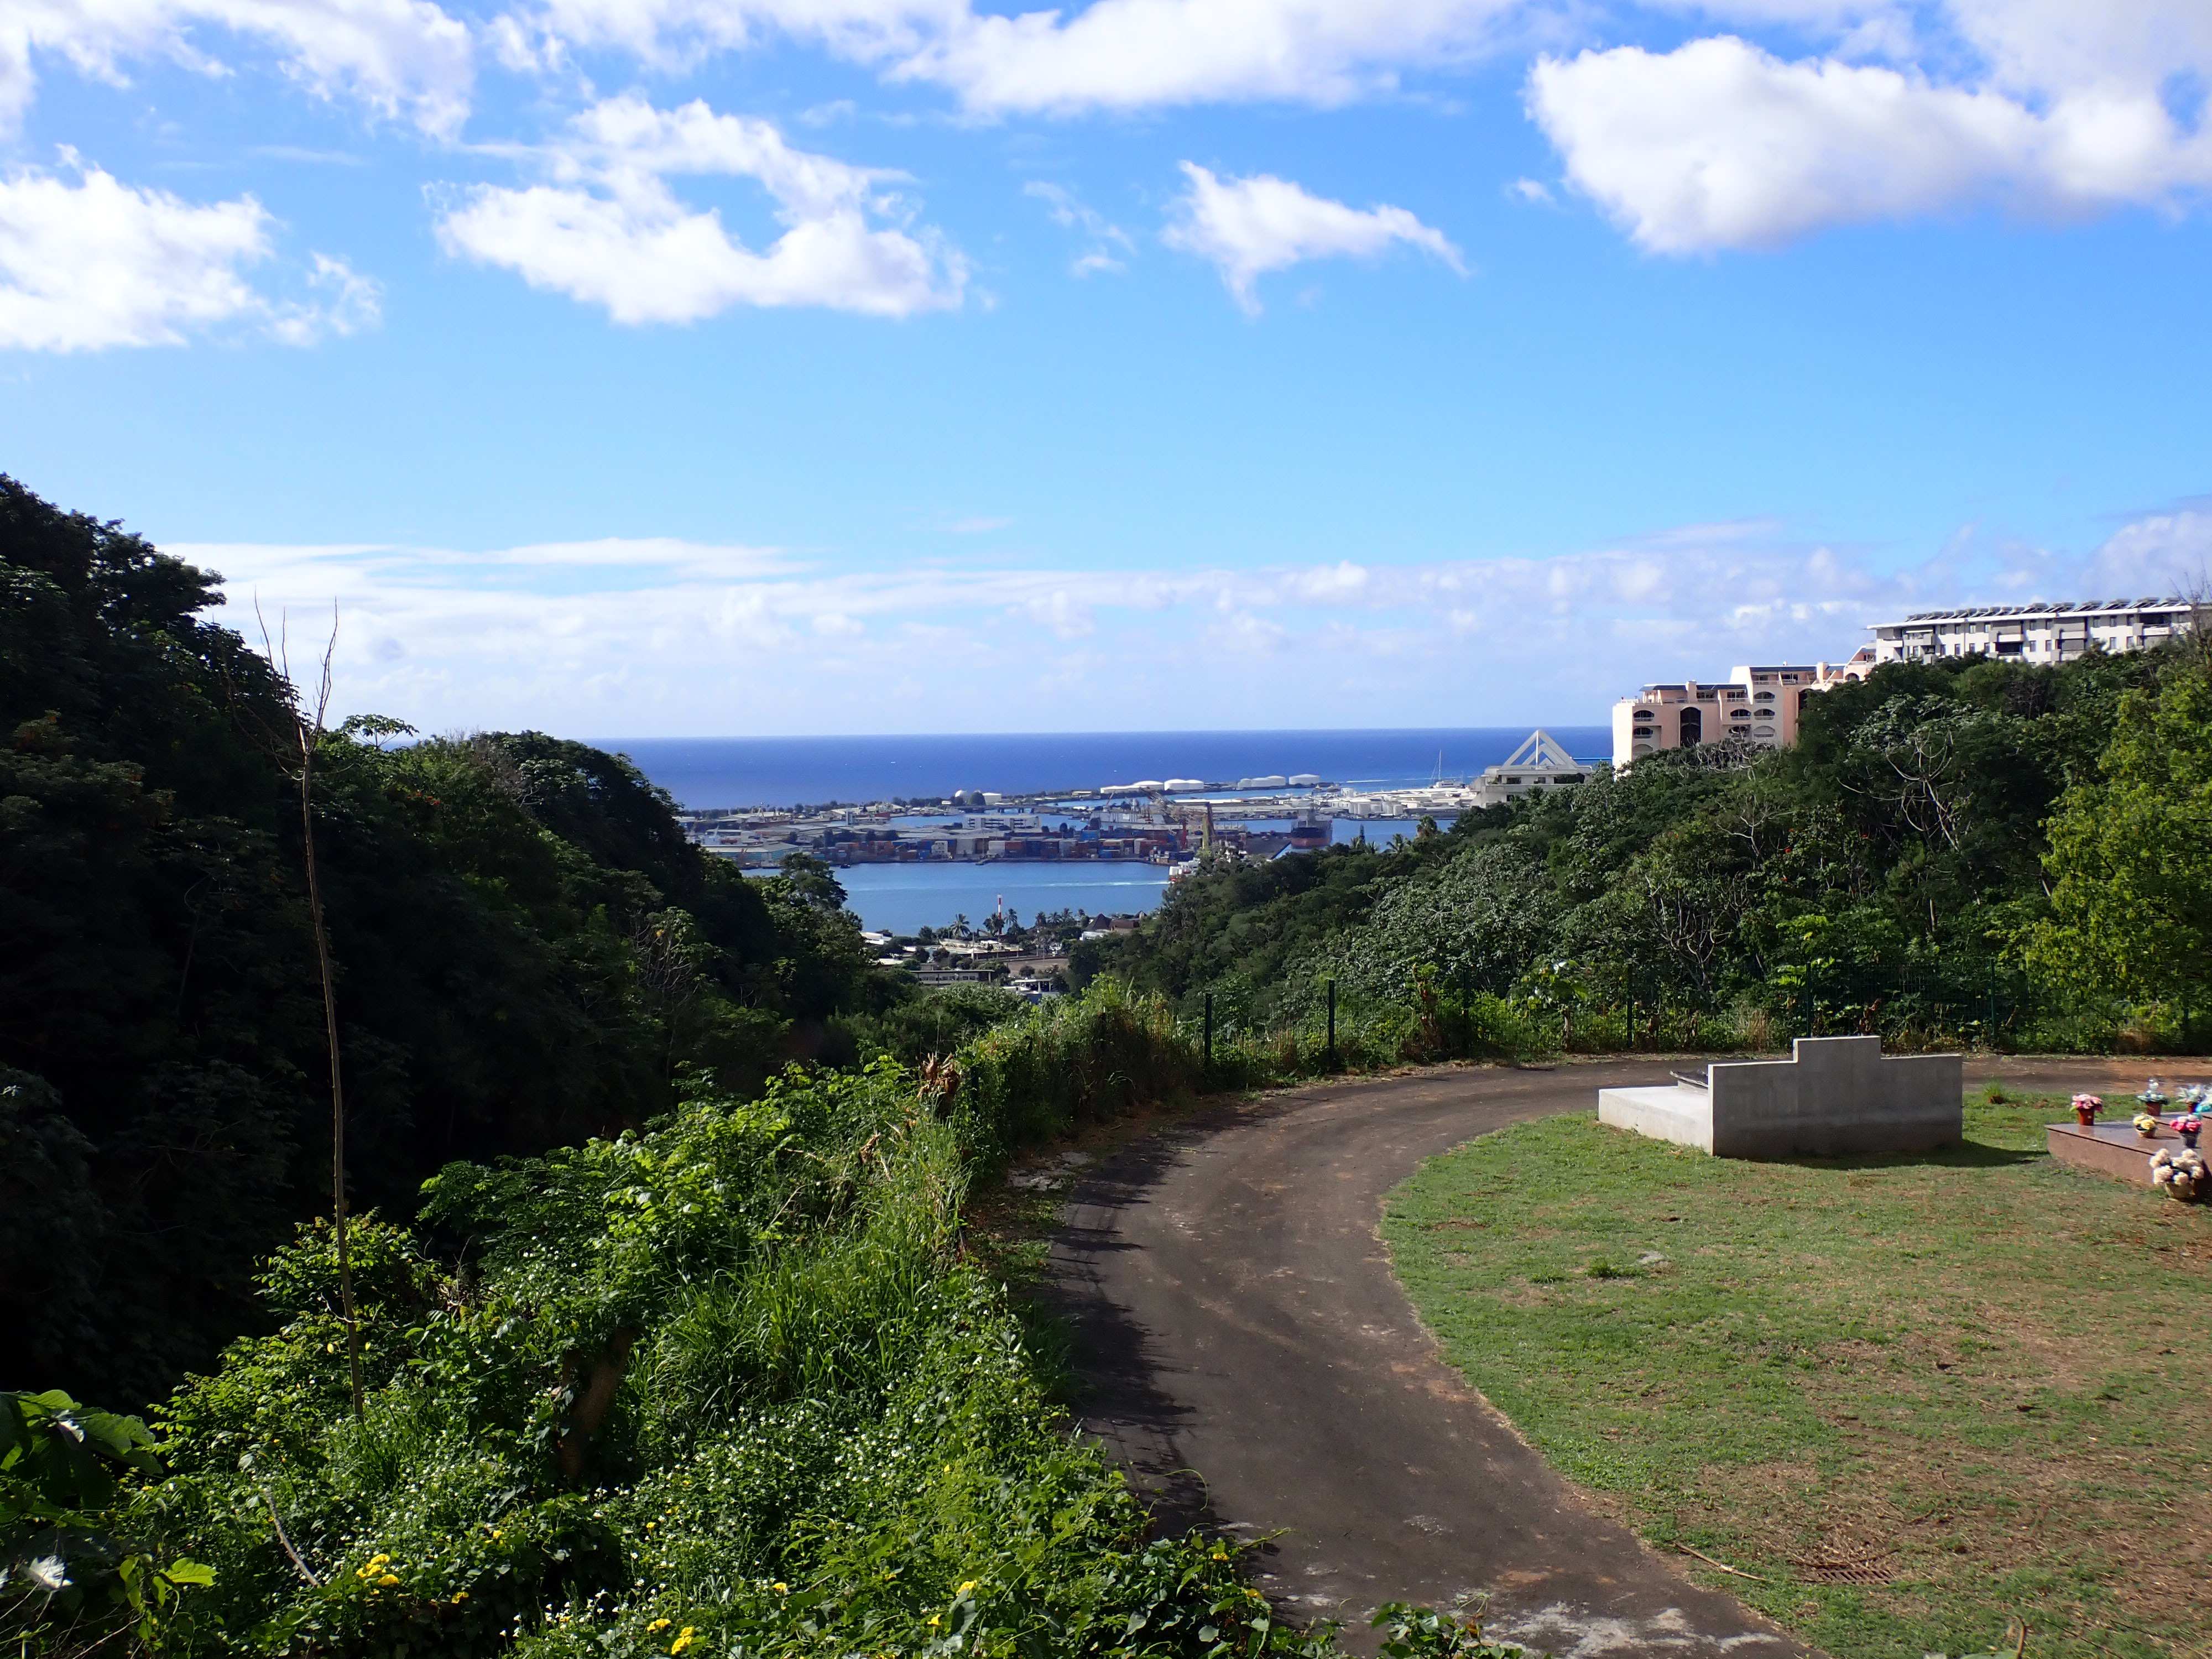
1756, 704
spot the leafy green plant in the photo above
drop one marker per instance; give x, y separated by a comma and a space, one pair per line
75, 1572
725, 1384
1411, 1632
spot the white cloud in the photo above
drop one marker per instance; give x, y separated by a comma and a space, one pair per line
1247, 226
1906, 107
401, 58
1109, 244
656, 636
609, 231
675, 33
1136, 54
1720, 144
2170, 551
356, 302
97, 263
1111, 54
665, 637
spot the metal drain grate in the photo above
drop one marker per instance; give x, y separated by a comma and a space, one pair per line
1874, 1570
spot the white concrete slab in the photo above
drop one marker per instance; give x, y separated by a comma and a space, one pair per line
1679, 1112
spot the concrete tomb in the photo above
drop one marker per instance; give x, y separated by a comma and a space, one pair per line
1833, 1095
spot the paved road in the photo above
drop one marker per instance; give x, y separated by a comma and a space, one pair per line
1253, 1362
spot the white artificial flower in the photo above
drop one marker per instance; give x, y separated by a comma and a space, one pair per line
49, 1570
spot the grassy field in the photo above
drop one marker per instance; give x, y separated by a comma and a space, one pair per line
1979, 1379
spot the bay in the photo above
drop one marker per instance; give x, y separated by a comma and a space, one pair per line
704, 772
904, 898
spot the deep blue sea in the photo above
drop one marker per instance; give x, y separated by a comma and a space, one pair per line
707, 772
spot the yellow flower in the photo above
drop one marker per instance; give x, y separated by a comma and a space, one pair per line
683, 1640
459, 1596
658, 1624
389, 1580
781, 1589
933, 1621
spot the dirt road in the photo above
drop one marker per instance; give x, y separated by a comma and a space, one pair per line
1250, 1361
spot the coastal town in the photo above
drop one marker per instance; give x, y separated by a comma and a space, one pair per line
1178, 822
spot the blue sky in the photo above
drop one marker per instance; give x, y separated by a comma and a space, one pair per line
698, 367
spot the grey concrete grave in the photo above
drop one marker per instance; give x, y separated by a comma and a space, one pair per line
1832, 1096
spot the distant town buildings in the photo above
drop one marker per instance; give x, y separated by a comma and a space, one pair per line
1757, 705
2033, 633
1539, 763
1761, 705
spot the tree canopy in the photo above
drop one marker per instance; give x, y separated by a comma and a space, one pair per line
528, 952
1886, 874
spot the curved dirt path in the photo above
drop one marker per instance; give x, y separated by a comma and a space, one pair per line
1252, 1363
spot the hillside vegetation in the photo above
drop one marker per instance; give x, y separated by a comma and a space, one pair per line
1965, 851
528, 953
726, 1385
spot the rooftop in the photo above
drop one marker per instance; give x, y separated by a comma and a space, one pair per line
2048, 608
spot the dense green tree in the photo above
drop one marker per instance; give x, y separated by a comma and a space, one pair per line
1869, 878
528, 951
2130, 855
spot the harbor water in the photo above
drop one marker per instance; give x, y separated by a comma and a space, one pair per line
725, 772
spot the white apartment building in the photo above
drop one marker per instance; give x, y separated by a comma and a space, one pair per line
2045, 633
1757, 704
1540, 762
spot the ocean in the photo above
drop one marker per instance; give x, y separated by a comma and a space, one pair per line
712, 772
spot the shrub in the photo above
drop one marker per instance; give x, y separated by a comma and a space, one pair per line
726, 1385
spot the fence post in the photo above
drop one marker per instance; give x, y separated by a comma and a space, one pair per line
1332, 1025
1209, 1034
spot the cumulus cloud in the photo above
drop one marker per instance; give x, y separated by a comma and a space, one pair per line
1108, 55
401, 58
91, 263
1719, 144
608, 230
1906, 107
1247, 227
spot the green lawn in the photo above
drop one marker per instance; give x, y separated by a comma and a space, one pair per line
1980, 1374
